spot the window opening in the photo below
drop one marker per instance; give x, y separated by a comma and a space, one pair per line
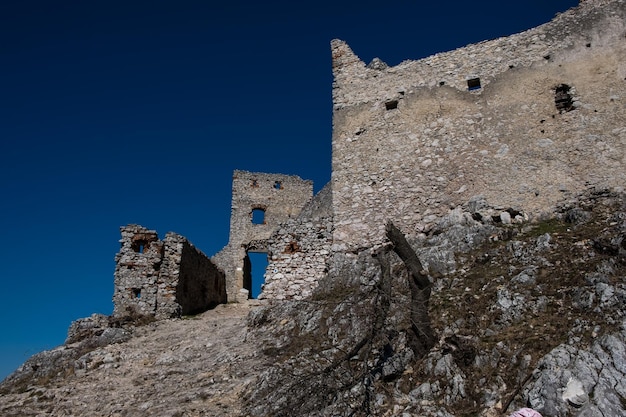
254, 183
390, 105
562, 98
254, 272
473, 84
258, 216
139, 246
278, 185
136, 292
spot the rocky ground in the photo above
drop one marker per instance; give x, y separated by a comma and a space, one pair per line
196, 366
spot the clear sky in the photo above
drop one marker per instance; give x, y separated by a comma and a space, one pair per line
138, 111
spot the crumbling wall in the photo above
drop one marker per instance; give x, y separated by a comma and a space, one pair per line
299, 251
413, 141
137, 268
163, 279
275, 198
201, 285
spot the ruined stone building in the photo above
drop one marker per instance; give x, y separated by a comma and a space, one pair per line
518, 123
165, 278
170, 278
260, 203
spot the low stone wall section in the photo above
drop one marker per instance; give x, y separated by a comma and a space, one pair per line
189, 283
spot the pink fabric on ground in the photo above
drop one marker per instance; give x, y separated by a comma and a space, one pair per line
525, 412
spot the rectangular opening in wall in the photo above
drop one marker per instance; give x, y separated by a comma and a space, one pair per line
257, 265
473, 84
136, 292
278, 185
390, 105
258, 216
139, 246
562, 98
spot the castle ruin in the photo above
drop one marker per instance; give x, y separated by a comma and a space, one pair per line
167, 278
260, 203
518, 123
522, 121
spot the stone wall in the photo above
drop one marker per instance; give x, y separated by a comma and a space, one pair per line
376, 83
522, 121
163, 278
137, 271
275, 198
299, 251
199, 285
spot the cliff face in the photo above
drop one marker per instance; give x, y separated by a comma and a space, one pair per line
524, 314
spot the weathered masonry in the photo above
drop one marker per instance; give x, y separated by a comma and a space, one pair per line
164, 279
300, 251
260, 203
522, 121
518, 123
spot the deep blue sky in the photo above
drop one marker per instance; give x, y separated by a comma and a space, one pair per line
116, 112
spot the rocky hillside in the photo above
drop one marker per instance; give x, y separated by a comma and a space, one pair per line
523, 313
195, 366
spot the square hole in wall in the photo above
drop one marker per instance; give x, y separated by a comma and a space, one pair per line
473, 84
136, 292
390, 105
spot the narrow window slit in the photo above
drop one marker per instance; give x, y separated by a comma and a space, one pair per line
140, 246
562, 98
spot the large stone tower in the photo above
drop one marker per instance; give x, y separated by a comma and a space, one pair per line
521, 121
